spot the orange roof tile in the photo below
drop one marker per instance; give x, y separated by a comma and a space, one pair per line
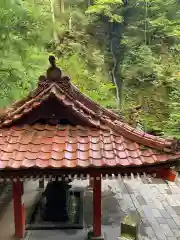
59, 146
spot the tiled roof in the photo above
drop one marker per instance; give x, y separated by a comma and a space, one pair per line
103, 140
58, 146
93, 114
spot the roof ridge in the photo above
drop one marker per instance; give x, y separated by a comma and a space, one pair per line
85, 97
10, 111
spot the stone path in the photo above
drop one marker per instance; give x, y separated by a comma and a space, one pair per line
157, 203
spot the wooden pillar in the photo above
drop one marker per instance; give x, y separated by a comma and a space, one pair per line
97, 207
19, 219
167, 174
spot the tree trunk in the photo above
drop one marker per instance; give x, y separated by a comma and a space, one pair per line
62, 6
70, 22
53, 20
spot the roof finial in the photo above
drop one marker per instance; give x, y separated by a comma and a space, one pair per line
52, 61
53, 72
54, 75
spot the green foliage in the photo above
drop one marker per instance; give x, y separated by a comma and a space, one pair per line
22, 37
151, 62
146, 34
109, 8
80, 55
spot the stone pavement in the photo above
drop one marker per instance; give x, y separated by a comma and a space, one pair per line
157, 203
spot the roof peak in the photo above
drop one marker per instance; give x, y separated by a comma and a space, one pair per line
54, 75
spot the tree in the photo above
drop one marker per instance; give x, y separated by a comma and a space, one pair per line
150, 63
81, 55
22, 42
113, 50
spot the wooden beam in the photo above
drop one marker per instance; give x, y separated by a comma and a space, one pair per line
149, 169
167, 174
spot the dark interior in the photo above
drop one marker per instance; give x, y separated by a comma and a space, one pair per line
52, 111
63, 208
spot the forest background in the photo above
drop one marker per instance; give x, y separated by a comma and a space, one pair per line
124, 54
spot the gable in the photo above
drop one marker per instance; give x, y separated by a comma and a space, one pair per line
53, 111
